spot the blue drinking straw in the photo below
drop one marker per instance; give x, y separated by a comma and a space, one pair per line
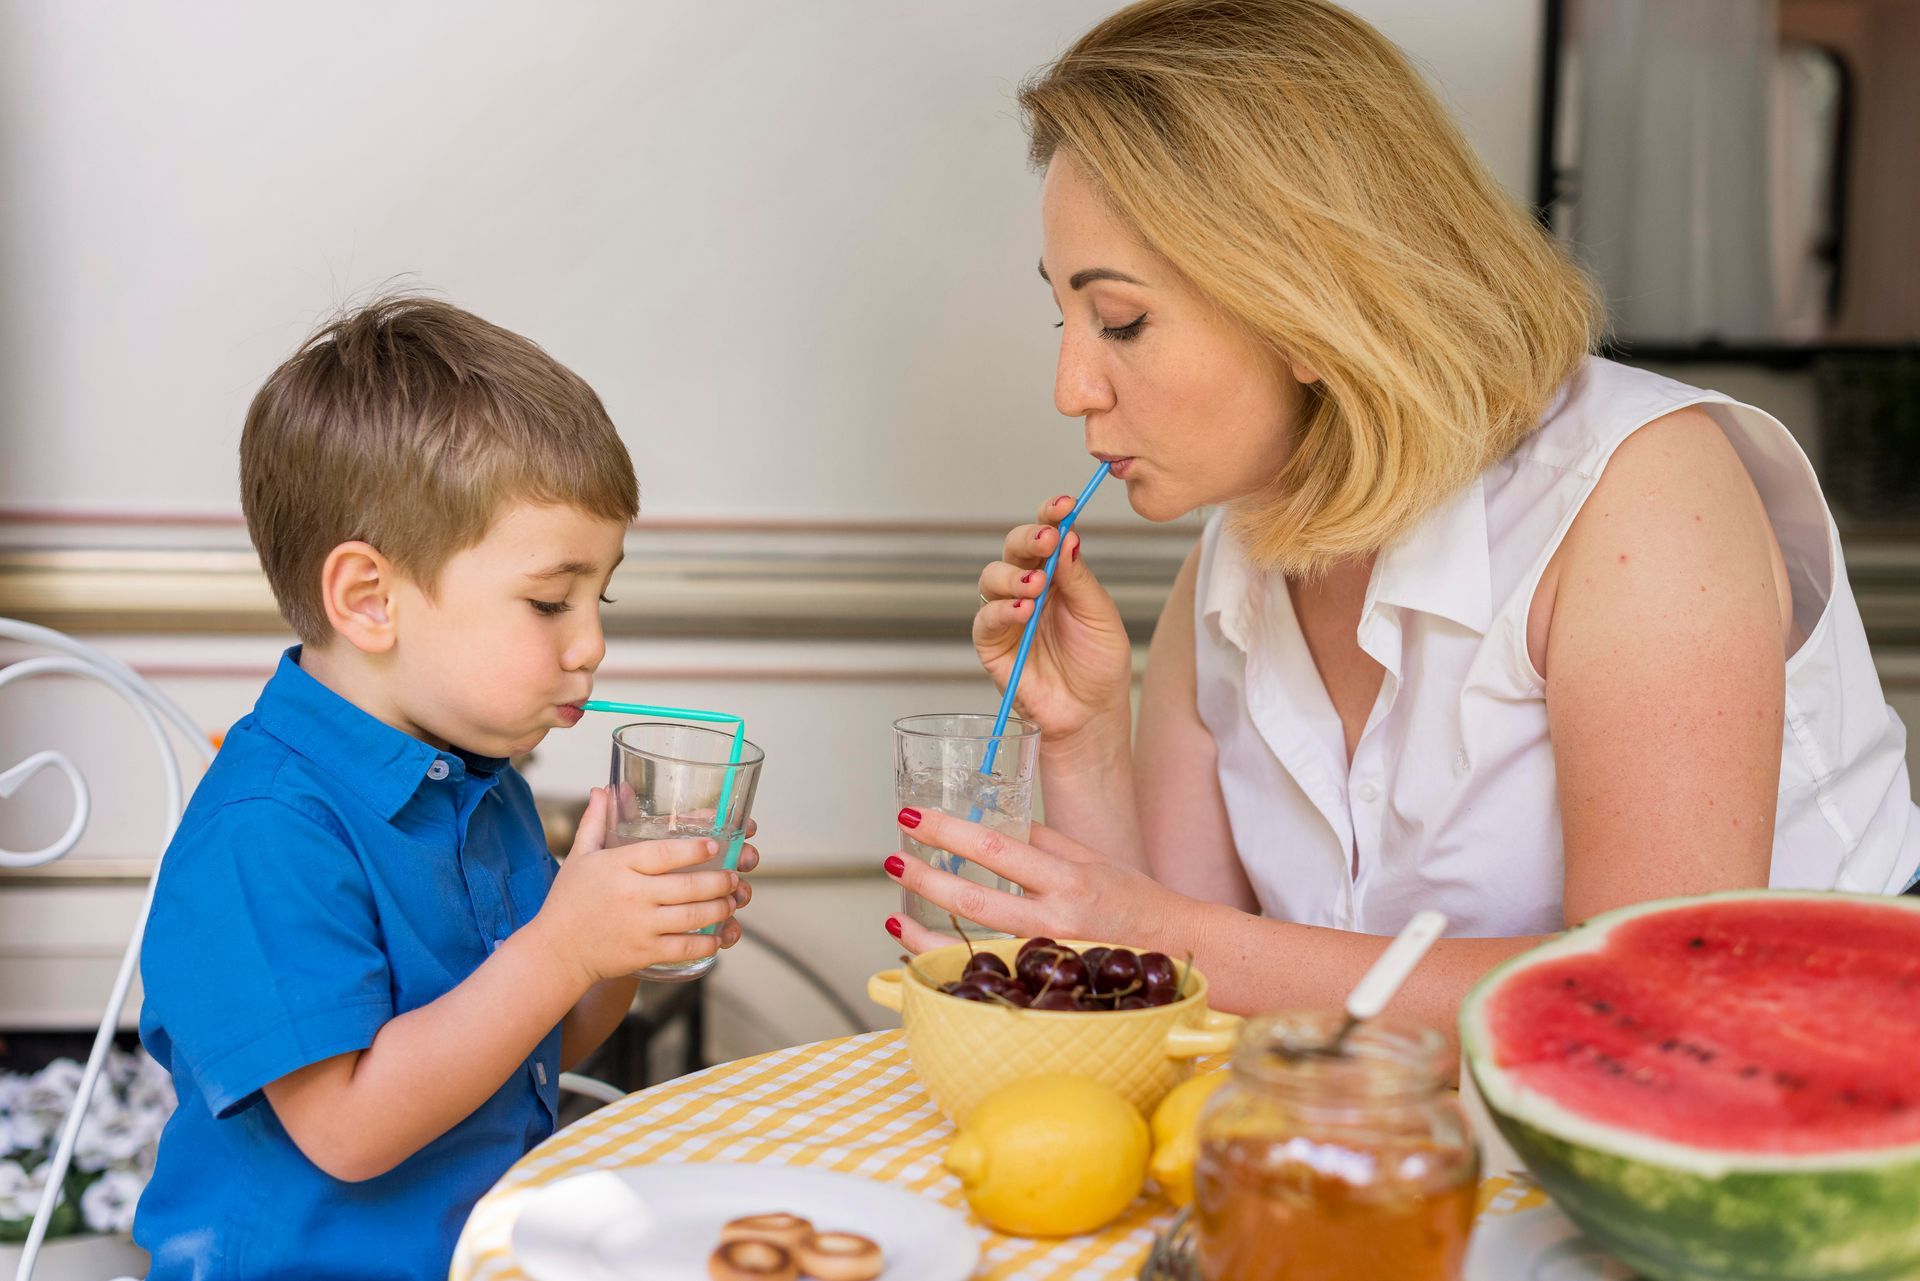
1033, 624
730, 860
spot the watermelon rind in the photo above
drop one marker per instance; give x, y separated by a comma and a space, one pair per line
1676, 1212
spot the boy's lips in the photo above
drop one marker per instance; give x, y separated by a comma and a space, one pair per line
569, 714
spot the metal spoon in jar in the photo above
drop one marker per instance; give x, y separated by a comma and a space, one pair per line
1384, 977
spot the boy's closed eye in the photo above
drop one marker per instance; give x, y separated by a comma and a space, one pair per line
548, 608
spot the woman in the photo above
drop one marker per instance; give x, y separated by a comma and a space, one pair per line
1481, 623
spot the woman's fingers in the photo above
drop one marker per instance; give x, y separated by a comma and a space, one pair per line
1055, 510
1001, 581
915, 937
995, 851
1028, 546
995, 909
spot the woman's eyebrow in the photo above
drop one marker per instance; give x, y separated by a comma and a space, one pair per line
1080, 279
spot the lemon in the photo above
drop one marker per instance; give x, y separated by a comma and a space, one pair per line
1176, 1139
1051, 1156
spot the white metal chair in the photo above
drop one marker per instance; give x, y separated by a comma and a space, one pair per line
159, 713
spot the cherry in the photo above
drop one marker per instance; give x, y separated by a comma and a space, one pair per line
1093, 956
1036, 966
1134, 1001
1055, 999
1063, 969
1117, 971
1032, 944
1156, 971
986, 963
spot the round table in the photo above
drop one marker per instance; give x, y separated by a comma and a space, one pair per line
851, 1105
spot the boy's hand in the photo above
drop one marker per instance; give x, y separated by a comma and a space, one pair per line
614, 911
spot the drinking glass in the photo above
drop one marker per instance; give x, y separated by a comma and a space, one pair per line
936, 766
670, 781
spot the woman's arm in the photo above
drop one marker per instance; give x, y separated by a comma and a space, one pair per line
1183, 817
1251, 963
1663, 649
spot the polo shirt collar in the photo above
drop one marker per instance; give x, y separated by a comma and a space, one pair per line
378, 763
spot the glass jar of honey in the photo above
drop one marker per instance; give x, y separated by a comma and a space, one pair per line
1355, 1166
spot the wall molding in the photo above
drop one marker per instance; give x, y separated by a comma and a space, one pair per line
790, 580
692, 579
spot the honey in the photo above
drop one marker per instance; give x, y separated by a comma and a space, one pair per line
1313, 1167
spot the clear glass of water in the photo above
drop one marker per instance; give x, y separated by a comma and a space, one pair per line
936, 766
668, 782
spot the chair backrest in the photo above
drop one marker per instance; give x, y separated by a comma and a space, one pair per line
69, 657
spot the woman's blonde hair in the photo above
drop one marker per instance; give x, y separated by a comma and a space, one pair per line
1286, 159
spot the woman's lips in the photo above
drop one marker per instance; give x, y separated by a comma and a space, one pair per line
1120, 467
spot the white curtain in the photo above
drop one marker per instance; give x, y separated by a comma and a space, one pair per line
1671, 206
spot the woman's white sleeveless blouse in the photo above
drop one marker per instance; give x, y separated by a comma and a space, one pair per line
1450, 801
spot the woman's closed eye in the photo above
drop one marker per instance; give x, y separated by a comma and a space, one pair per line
1117, 333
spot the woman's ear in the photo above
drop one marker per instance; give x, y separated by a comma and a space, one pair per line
357, 588
1303, 373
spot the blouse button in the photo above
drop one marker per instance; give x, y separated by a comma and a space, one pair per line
1367, 792
438, 770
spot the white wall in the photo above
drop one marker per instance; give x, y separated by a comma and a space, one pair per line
791, 244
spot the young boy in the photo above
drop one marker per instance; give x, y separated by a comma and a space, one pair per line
362, 969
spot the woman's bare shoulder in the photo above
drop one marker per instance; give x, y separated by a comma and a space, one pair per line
1676, 496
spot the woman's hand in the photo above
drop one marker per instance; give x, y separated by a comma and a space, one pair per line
1071, 892
1081, 664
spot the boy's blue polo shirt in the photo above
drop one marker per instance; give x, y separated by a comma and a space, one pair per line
330, 874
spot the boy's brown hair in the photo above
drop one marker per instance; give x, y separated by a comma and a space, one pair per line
408, 424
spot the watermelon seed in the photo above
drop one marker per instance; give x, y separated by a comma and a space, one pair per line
1602, 1007
1696, 942
1750, 1071
1669, 1045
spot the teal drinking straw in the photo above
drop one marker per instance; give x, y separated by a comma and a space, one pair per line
1033, 624
731, 860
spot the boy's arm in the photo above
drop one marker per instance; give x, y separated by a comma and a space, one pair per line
593, 1018
596, 1014
610, 912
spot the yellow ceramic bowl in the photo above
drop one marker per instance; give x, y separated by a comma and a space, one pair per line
965, 1050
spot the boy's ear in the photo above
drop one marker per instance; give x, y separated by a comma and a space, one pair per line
357, 587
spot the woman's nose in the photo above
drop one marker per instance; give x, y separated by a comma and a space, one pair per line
1080, 386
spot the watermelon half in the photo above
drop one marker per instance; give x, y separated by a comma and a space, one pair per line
1719, 1087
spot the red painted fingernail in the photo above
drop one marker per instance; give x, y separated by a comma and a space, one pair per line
908, 818
1027, 577
1017, 604
893, 926
895, 865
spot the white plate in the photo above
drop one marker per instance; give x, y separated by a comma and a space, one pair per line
660, 1222
1537, 1244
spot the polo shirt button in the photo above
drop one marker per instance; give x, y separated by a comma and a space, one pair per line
1367, 792
438, 770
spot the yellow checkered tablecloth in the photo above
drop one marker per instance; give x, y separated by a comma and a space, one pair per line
851, 1105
